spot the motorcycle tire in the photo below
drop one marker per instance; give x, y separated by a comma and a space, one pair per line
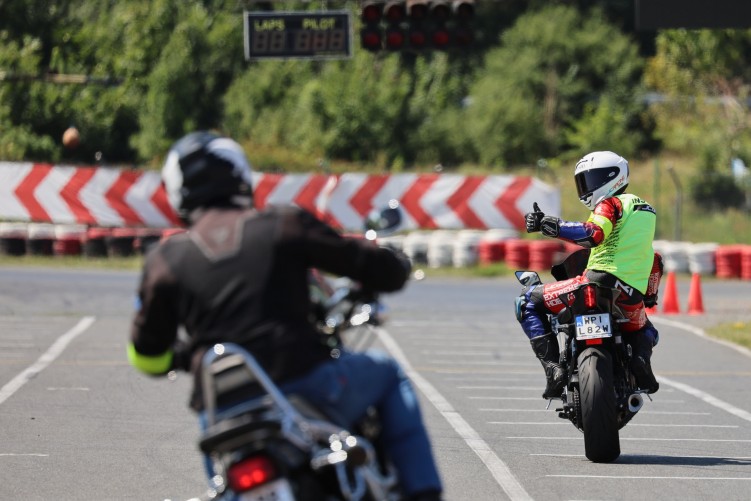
598, 406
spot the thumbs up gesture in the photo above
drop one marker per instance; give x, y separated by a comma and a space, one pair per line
533, 220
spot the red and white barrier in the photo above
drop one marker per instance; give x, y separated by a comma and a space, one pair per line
122, 197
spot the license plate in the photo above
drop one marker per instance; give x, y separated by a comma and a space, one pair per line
278, 490
593, 326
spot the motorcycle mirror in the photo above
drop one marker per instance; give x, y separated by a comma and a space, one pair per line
384, 220
528, 278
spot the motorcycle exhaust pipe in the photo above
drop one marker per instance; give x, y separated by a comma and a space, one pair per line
635, 402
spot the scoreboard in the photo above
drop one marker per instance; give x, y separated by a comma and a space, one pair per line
298, 35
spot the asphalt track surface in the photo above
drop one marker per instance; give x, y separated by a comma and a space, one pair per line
77, 423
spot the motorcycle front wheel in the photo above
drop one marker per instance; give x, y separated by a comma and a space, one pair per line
598, 407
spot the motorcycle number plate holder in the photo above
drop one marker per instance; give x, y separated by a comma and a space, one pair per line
278, 490
593, 326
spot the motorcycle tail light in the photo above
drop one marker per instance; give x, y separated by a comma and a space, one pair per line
590, 297
250, 473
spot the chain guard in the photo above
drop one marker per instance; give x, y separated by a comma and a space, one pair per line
571, 410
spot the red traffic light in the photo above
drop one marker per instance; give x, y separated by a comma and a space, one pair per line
397, 25
395, 39
395, 12
440, 38
418, 39
371, 12
371, 39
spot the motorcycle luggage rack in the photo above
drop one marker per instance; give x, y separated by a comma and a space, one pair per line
305, 432
298, 429
226, 435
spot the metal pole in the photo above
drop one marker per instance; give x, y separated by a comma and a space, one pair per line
656, 191
678, 202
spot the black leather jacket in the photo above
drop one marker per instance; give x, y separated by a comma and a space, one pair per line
241, 276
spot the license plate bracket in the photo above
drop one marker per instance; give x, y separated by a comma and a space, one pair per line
593, 326
278, 490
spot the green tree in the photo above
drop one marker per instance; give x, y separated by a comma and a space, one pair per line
703, 82
186, 85
555, 66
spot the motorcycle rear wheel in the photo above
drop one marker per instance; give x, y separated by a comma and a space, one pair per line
598, 406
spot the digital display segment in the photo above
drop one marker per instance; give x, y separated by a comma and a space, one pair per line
298, 35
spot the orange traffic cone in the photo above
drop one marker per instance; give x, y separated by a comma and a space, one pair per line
695, 303
670, 305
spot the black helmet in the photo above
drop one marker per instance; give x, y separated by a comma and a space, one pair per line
203, 170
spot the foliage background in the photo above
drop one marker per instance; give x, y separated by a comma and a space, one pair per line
546, 82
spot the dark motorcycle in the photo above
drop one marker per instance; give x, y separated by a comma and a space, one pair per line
279, 447
601, 395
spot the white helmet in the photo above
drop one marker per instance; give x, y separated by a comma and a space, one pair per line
600, 175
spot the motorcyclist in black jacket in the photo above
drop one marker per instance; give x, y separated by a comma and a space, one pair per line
241, 275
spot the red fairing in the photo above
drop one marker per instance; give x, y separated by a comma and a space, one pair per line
551, 291
637, 317
655, 276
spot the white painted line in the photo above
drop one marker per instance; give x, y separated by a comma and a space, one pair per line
685, 425
516, 410
500, 471
701, 333
711, 400
524, 388
466, 344
543, 402
729, 458
30, 454
671, 413
498, 371
631, 425
51, 388
441, 323
469, 353
497, 379
482, 362
632, 439
560, 455
541, 423
646, 477
496, 409
537, 399
46, 359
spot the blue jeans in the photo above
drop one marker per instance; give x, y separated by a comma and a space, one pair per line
349, 385
355, 381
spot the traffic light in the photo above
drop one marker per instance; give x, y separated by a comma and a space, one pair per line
440, 13
371, 15
415, 25
464, 14
464, 10
395, 14
417, 10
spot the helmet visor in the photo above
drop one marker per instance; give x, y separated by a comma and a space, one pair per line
588, 181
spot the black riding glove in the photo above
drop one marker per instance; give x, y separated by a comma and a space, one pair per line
550, 226
533, 220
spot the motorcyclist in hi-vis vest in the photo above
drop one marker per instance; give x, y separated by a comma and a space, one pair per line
619, 234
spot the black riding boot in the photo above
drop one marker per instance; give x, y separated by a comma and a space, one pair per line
547, 351
640, 363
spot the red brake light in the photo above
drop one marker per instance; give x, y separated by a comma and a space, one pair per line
590, 296
250, 473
